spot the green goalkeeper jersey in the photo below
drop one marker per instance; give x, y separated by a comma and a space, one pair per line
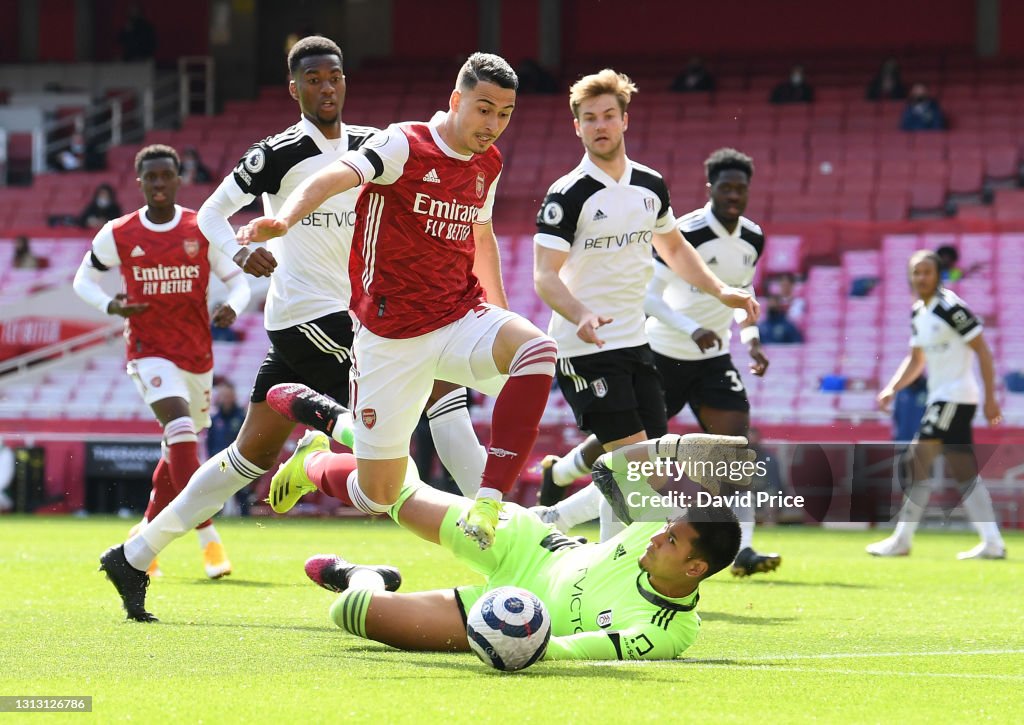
602, 606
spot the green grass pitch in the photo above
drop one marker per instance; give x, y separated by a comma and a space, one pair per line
833, 636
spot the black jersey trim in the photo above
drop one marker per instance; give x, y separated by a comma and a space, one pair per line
375, 160
358, 135
96, 263
615, 637
952, 310
700, 235
569, 200
663, 603
652, 181
753, 238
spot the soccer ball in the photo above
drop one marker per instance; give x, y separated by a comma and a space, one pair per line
509, 628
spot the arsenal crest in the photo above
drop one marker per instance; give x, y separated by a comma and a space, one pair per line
369, 417
480, 185
600, 388
191, 247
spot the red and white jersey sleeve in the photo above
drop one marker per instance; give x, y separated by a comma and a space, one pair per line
104, 248
382, 158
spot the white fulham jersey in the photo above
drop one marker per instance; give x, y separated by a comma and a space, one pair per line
942, 327
732, 257
607, 226
311, 279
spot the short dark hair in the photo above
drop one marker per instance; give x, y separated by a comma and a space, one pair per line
947, 251
156, 151
309, 46
718, 535
489, 68
726, 159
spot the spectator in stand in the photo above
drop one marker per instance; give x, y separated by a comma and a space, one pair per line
535, 78
225, 422
785, 312
888, 84
23, 257
922, 112
193, 170
102, 209
73, 157
949, 270
793, 90
695, 78
138, 37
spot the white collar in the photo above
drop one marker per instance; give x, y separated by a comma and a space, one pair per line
434, 125
596, 172
326, 145
716, 226
166, 226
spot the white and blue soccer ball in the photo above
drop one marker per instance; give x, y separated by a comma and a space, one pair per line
509, 628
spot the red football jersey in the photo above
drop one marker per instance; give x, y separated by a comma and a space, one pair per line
411, 265
168, 267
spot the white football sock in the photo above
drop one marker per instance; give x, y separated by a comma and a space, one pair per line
363, 578
363, 502
913, 510
610, 525
978, 507
584, 505
207, 535
455, 440
488, 492
204, 495
570, 467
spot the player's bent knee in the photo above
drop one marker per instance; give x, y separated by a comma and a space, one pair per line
535, 356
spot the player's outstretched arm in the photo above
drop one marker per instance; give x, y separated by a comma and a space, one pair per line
640, 468
307, 196
684, 260
649, 642
213, 218
487, 264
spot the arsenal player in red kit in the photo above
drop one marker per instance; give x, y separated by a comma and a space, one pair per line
427, 292
165, 264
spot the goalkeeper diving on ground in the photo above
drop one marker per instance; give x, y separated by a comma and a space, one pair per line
631, 597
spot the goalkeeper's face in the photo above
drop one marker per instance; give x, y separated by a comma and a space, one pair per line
671, 556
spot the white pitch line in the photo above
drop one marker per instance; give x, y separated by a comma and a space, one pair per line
866, 655
829, 656
882, 673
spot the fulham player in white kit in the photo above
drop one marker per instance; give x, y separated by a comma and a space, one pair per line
945, 341
427, 293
